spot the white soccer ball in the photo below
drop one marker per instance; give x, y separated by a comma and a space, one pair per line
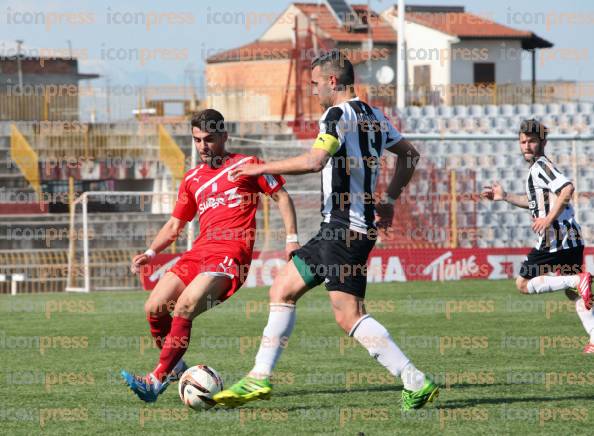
198, 385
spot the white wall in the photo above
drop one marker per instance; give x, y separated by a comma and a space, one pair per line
505, 54
426, 46
456, 66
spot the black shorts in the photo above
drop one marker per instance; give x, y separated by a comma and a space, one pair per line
336, 256
566, 262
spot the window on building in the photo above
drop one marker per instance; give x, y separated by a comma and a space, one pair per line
484, 72
422, 75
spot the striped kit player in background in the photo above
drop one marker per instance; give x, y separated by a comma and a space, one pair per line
560, 247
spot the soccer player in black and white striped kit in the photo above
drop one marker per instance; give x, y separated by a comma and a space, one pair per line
352, 138
560, 247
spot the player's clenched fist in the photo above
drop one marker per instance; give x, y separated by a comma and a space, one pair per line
290, 248
493, 192
138, 261
384, 215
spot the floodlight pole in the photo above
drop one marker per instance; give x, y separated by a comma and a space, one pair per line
401, 60
19, 43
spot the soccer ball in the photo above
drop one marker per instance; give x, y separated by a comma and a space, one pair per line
198, 385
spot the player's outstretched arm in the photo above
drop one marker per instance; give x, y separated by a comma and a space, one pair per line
311, 162
495, 192
287, 211
166, 236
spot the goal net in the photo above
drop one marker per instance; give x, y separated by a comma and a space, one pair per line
108, 228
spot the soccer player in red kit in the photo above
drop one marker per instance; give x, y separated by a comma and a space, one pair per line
216, 266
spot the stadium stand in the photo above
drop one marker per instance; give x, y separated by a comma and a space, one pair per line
459, 167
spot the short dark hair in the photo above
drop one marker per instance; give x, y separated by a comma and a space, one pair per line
534, 128
338, 64
209, 120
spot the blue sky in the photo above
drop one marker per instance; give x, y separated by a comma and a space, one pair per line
159, 53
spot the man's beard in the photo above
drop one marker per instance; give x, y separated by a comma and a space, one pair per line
215, 160
325, 106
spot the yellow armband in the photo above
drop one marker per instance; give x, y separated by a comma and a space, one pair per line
327, 142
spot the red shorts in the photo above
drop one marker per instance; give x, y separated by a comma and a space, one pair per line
234, 264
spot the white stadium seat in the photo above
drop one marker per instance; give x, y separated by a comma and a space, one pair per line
491, 110
553, 108
507, 110
523, 110
445, 111
428, 111
538, 110
461, 111
569, 108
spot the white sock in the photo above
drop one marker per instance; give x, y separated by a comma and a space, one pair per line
281, 321
156, 382
587, 318
539, 285
377, 340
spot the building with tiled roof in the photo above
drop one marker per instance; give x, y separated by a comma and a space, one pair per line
268, 79
456, 54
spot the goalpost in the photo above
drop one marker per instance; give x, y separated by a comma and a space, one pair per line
107, 228
102, 243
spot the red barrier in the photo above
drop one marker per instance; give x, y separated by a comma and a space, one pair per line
392, 265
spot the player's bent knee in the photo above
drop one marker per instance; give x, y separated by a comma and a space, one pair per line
284, 289
280, 294
152, 307
185, 308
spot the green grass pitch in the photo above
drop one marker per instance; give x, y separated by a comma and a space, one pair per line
507, 363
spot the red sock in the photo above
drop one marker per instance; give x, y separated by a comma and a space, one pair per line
176, 344
160, 326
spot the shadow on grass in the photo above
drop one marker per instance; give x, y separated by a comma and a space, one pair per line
339, 390
379, 388
480, 401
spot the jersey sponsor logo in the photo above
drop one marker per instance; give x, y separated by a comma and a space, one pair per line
229, 198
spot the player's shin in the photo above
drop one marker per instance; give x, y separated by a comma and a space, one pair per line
175, 345
160, 325
380, 345
281, 321
542, 284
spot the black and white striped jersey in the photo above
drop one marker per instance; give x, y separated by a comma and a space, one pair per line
350, 176
543, 183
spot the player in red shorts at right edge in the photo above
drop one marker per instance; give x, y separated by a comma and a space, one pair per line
216, 266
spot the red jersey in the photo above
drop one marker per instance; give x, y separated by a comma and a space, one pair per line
226, 208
